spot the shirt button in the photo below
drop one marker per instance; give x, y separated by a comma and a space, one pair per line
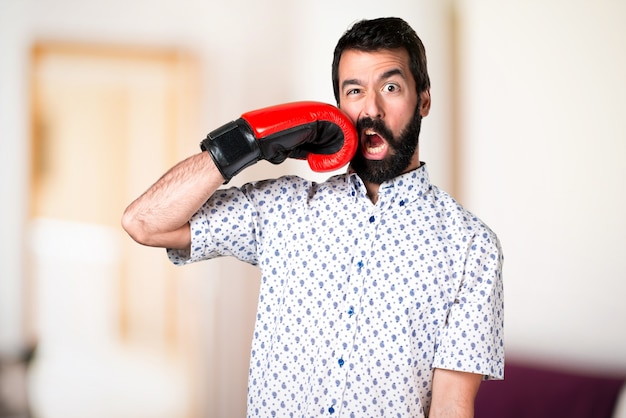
331, 410
372, 219
351, 311
341, 362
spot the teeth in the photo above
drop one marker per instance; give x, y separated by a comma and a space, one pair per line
369, 148
375, 150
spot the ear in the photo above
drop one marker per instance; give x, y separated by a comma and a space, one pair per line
425, 102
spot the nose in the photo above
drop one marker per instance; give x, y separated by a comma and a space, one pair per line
373, 107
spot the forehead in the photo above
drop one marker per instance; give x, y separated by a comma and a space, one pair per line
364, 65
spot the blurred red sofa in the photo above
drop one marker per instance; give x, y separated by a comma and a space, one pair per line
538, 391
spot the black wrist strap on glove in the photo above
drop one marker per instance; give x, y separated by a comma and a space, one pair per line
233, 147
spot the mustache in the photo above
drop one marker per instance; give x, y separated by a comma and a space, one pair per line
376, 125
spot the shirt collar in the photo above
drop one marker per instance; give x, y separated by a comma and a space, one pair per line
404, 189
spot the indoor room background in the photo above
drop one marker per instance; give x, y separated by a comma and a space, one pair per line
98, 99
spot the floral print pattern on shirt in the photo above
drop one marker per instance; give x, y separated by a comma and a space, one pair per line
358, 302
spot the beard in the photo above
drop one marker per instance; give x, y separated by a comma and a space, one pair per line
399, 155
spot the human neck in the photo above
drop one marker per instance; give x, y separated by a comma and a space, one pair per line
372, 191
372, 188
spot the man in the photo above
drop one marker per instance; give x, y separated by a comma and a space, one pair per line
380, 295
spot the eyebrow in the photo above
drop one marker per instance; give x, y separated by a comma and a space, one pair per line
384, 76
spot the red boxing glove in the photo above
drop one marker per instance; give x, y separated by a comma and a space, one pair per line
319, 132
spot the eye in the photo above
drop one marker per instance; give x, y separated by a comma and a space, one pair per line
391, 87
352, 92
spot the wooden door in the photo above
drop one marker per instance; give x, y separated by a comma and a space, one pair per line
107, 122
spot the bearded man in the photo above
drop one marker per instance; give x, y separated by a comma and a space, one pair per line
380, 294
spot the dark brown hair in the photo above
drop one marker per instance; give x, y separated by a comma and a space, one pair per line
383, 33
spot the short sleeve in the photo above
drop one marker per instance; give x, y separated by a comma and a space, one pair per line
472, 338
225, 225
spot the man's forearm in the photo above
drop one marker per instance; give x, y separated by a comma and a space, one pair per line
160, 216
454, 394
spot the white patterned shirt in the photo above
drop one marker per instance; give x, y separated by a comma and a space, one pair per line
358, 302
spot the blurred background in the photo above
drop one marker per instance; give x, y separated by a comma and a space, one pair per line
98, 99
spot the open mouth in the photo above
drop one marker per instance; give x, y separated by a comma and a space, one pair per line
374, 146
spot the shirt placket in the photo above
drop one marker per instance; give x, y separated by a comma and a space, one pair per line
352, 304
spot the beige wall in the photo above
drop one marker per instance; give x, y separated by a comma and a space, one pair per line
539, 102
544, 141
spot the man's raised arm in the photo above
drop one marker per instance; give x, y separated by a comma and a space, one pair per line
319, 132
